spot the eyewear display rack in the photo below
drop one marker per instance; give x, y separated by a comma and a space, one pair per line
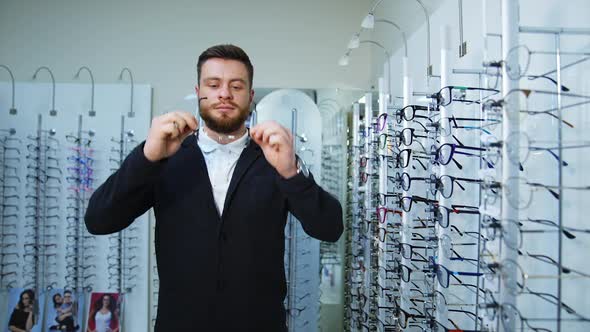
458, 211
51, 162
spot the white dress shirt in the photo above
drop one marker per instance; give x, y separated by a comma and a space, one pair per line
221, 160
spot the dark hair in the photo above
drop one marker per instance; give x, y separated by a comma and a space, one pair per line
228, 52
67, 292
31, 295
98, 303
55, 304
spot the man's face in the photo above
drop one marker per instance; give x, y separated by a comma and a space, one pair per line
67, 298
228, 94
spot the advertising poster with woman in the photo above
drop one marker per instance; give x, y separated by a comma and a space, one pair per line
104, 312
23, 311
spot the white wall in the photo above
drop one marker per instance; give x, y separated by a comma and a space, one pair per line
291, 43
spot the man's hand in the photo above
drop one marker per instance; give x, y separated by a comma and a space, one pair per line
276, 142
166, 134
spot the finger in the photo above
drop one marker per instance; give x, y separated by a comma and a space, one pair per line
257, 131
180, 122
182, 129
190, 119
168, 117
173, 117
284, 130
279, 142
274, 135
266, 133
256, 137
186, 134
171, 130
274, 140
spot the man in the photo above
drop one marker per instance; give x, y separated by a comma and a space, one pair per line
221, 198
66, 313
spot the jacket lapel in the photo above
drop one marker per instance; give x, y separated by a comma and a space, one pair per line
248, 156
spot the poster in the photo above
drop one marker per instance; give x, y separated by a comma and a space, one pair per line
104, 312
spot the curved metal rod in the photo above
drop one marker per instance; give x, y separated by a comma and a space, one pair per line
12, 82
333, 101
377, 3
328, 107
52, 111
92, 112
400, 29
377, 44
130, 114
388, 60
428, 65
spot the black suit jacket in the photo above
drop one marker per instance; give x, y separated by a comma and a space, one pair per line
216, 273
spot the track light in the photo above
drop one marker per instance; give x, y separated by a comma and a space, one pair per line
368, 21
354, 41
344, 59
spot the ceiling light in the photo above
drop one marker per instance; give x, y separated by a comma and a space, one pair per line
354, 41
368, 21
344, 60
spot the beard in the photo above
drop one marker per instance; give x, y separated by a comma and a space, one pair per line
224, 124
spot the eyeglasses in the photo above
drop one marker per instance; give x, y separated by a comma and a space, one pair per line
365, 176
526, 146
485, 125
408, 113
508, 270
527, 189
510, 317
445, 184
443, 274
406, 136
405, 316
383, 232
447, 246
407, 250
463, 94
406, 202
382, 213
442, 213
510, 231
444, 153
384, 138
567, 231
78, 140
383, 198
404, 180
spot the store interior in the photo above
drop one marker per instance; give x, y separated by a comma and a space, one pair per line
455, 135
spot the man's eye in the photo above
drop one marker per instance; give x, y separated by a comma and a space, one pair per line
236, 87
212, 85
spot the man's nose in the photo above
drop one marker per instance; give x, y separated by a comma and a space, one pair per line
225, 93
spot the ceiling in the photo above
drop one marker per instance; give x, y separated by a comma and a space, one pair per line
293, 44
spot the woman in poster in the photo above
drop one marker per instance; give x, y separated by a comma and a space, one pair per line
22, 318
103, 315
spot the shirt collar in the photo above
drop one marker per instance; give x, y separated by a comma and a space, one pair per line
208, 145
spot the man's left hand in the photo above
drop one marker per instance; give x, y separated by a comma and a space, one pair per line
276, 143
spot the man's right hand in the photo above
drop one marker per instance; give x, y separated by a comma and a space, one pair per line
167, 133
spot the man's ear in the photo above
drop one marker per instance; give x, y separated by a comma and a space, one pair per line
251, 95
197, 91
